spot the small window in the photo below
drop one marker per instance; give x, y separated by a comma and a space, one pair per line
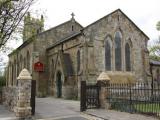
72, 28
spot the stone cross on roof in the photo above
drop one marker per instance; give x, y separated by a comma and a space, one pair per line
72, 15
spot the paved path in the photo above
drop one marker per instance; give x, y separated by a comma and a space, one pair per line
115, 115
5, 114
59, 109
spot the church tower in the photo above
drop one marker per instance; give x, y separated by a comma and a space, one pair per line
32, 26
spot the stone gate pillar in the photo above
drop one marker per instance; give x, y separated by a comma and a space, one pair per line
103, 81
23, 108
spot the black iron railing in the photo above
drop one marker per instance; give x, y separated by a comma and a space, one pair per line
134, 98
89, 96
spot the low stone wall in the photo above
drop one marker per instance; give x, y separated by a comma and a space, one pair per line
10, 97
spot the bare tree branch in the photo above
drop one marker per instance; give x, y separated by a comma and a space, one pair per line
11, 14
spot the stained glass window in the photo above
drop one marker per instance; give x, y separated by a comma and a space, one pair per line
28, 61
78, 61
107, 55
118, 61
127, 57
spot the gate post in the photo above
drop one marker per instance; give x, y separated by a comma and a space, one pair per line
103, 82
23, 108
33, 96
83, 96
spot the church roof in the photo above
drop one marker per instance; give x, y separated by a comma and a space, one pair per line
155, 63
71, 36
32, 38
59, 26
125, 16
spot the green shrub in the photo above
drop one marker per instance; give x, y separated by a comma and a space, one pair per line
2, 81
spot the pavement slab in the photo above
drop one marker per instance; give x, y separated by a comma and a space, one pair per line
116, 115
6, 114
60, 109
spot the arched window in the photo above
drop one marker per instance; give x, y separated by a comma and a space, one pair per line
18, 68
128, 57
108, 46
28, 60
78, 61
21, 63
118, 57
52, 66
15, 75
51, 71
24, 62
12, 74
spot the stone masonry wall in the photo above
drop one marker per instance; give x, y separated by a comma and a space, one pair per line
97, 33
10, 97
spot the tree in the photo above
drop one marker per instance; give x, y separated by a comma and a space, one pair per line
158, 26
11, 14
155, 49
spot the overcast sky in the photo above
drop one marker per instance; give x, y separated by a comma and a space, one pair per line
144, 13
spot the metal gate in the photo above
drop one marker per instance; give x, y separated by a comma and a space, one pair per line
33, 96
89, 96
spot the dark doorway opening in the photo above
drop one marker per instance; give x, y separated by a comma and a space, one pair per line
59, 84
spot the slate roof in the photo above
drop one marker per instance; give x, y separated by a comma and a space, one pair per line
32, 38
155, 63
71, 36
124, 15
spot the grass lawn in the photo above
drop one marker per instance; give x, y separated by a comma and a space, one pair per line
148, 107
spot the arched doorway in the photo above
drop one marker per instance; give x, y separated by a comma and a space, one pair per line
59, 84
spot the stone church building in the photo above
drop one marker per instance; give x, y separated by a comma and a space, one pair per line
70, 53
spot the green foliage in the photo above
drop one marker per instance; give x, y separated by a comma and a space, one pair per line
11, 15
2, 81
158, 26
155, 51
149, 107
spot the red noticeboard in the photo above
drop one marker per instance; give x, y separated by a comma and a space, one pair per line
38, 66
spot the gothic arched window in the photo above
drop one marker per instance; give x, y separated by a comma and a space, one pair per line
21, 63
128, 57
51, 70
108, 46
24, 62
28, 61
118, 57
52, 66
78, 61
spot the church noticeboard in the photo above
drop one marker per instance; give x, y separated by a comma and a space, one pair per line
38, 66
